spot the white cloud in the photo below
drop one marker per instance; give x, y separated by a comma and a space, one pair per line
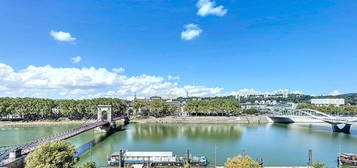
118, 70
207, 7
170, 77
52, 82
335, 93
191, 31
76, 59
62, 36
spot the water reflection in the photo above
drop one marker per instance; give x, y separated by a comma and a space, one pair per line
320, 129
213, 132
155, 132
161, 132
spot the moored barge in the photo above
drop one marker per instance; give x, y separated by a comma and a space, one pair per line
125, 158
347, 159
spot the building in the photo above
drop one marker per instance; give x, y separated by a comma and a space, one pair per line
328, 102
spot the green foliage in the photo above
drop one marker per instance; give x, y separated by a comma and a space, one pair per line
36, 108
155, 108
186, 165
58, 154
252, 111
330, 109
213, 107
89, 164
318, 164
241, 162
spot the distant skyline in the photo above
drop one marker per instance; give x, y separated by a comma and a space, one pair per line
86, 49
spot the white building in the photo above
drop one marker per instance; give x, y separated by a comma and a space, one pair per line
328, 102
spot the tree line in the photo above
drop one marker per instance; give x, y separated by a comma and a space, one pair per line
349, 110
216, 106
157, 108
39, 109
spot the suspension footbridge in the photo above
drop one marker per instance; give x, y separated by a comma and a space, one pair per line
10, 154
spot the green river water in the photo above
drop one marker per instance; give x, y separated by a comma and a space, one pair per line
277, 144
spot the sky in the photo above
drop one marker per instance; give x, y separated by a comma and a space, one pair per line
119, 48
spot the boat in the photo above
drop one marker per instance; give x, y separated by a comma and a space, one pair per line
125, 158
347, 159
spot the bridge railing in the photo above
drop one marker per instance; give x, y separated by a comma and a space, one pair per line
316, 115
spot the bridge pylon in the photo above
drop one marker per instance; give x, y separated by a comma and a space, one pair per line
105, 114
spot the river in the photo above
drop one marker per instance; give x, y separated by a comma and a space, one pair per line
277, 144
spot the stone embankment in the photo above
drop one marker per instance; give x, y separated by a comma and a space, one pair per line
211, 119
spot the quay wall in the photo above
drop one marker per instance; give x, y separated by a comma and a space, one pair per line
206, 119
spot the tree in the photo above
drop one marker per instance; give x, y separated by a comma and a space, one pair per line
213, 106
251, 111
241, 162
186, 165
89, 164
57, 154
318, 164
157, 108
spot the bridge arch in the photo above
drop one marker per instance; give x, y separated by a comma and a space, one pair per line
104, 113
334, 121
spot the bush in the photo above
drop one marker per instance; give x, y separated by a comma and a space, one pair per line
318, 164
89, 164
58, 154
241, 162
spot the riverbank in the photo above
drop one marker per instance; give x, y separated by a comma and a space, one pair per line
204, 120
40, 123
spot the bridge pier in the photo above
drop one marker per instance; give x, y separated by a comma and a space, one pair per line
345, 129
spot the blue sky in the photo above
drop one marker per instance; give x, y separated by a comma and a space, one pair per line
308, 46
